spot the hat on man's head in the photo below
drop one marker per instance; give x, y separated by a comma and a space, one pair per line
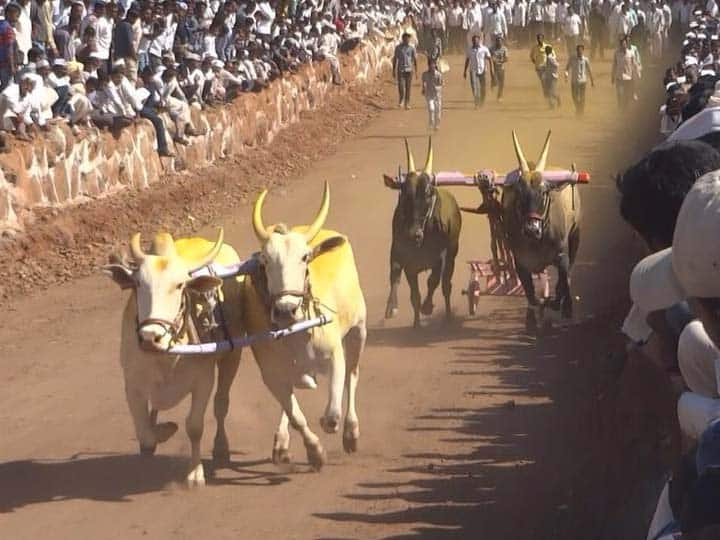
192, 56
59, 62
182, 6
42, 64
218, 64
708, 451
691, 267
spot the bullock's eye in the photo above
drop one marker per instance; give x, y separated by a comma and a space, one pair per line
306, 258
180, 286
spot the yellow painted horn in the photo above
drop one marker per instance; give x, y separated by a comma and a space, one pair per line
136, 249
520, 156
540, 167
260, 231
321, 216
427, 169
410, 159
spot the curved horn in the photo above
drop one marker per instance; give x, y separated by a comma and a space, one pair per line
519, 153
136, 249
206, 259
540, 167
322, 214
260, 231
427, 169
410, 159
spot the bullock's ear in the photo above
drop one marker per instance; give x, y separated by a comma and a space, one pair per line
327, 245
203, 284
120, 274
389, 182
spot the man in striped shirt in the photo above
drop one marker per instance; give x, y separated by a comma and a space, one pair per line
579, 72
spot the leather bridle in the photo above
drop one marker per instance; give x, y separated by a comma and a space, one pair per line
181, 326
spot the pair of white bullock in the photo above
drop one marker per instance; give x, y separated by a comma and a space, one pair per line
303, 272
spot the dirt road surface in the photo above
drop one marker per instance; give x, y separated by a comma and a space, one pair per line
469, 429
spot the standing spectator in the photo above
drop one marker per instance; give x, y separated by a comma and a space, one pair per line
625, 70
404, 65
519, 23
535, 19
8, 50
455, 20
571, 28
44, 30
478, 61
550, 78
579, 72
103, 31
656, 31
474, 22
124, 43
495, 25
499, 54
598, 29
432, 82
265, 17
23, 30
549, 14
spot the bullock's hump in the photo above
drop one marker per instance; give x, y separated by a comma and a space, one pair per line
192, 248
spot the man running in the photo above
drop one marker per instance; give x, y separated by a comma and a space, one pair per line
404, 65
478, 61
578, 71
550, 78
625, 70
432, 82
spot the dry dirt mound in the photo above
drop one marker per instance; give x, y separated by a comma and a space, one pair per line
68, 243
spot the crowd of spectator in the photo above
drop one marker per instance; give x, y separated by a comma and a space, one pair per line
671, 197
92, 62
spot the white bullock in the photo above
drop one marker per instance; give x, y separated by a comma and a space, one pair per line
164, 309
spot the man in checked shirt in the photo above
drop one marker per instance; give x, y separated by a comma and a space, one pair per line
579, 72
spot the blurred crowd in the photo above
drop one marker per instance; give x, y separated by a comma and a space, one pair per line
671, 198
91, 62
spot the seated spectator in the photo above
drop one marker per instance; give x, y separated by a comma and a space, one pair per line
16, 107
174, 101
151, 108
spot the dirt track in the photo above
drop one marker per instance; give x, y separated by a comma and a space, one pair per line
469, 430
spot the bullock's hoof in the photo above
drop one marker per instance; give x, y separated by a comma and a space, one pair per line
530, 322
281, 456
351, 434
164, 431
417, 324
391, 312
316, 456
427, 308
221, 456
330, 424
196, 477
148, 451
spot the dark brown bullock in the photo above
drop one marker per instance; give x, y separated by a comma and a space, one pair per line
425, 236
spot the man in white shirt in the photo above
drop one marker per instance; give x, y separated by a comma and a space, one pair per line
16, 106
474, 21
478, 62
625, 70
265, 17
495, 25
549, 17
571, 27
535, 19
518, 26
656, 30
23, 30
328, 47
103, 30
455, 21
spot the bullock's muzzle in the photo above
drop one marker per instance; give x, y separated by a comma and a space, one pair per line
287, 308
155, 335
534, 226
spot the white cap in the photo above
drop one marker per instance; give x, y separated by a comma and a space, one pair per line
704, 72
192, 56
691, 61
691, 267
59, 62
693, 24
218, 64
42, 64
702, 36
